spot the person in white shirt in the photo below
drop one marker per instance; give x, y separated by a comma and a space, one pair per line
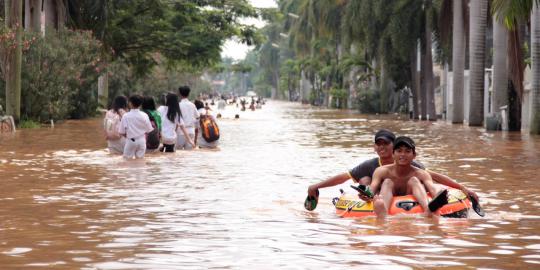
190, 115
115, 142
134, 126
171, 121
200, 140
221, 104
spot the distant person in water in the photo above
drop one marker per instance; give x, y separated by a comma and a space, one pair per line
134, 126
221, 104
383, 145
115, 141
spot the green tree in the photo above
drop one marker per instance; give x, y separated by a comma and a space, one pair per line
187, 33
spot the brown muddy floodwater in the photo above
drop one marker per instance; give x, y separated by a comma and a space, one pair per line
65, 203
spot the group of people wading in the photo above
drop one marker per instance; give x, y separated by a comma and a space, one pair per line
134, 126
395, 173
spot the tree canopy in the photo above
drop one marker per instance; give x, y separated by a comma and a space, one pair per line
187, 33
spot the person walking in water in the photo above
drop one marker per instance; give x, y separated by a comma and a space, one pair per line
171, 122
204, 112
153, 138
190, 116
134, 126
115, 142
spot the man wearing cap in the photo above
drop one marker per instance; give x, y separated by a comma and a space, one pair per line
403, 178
383, 146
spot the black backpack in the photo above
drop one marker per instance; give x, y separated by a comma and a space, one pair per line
153, 138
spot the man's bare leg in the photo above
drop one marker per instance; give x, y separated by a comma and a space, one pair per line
415, 187
432, 188
382, 202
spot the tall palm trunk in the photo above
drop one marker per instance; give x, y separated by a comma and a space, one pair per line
415, 83
383, 105
32, 14
500, 69
535, 55
13, 68
430, 113
478, 25
458, 62
423, 89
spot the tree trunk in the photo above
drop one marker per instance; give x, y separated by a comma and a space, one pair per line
383, 88
458, 63
276, 82
61, 14
13, 69
514, 109
103, 93
423, 89
500, 67
478, 25
415, 83
32, 14
535, 55
430, 113
51, 19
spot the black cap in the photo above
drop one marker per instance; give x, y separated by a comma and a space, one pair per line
386, 135
404, 140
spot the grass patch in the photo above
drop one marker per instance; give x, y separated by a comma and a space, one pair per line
29, 124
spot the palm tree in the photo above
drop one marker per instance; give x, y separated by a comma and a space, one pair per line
535, 55
428, 95
458, 62
478, 25
514, 13
500, 71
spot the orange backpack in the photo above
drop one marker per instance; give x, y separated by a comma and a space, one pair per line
209, 128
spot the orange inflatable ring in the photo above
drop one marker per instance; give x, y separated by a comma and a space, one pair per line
349, 205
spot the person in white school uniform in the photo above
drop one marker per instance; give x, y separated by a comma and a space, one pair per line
171, 121
113, 117
134, 126
190, 115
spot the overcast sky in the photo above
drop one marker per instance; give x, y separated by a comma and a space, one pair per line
237, 50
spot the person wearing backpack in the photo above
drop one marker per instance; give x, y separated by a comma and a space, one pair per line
134, 126
171, 121
115, 142
207, 128
153, 138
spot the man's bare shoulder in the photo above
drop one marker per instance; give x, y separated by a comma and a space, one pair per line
384, 169
420, 172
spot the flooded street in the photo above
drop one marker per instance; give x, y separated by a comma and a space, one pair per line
67, 204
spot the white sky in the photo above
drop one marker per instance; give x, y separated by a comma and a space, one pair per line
238, 50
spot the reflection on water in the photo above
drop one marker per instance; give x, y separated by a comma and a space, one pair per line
66, 203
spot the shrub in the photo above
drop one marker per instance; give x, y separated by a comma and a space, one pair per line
339, 97
59, 75
368, 100
28, 124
